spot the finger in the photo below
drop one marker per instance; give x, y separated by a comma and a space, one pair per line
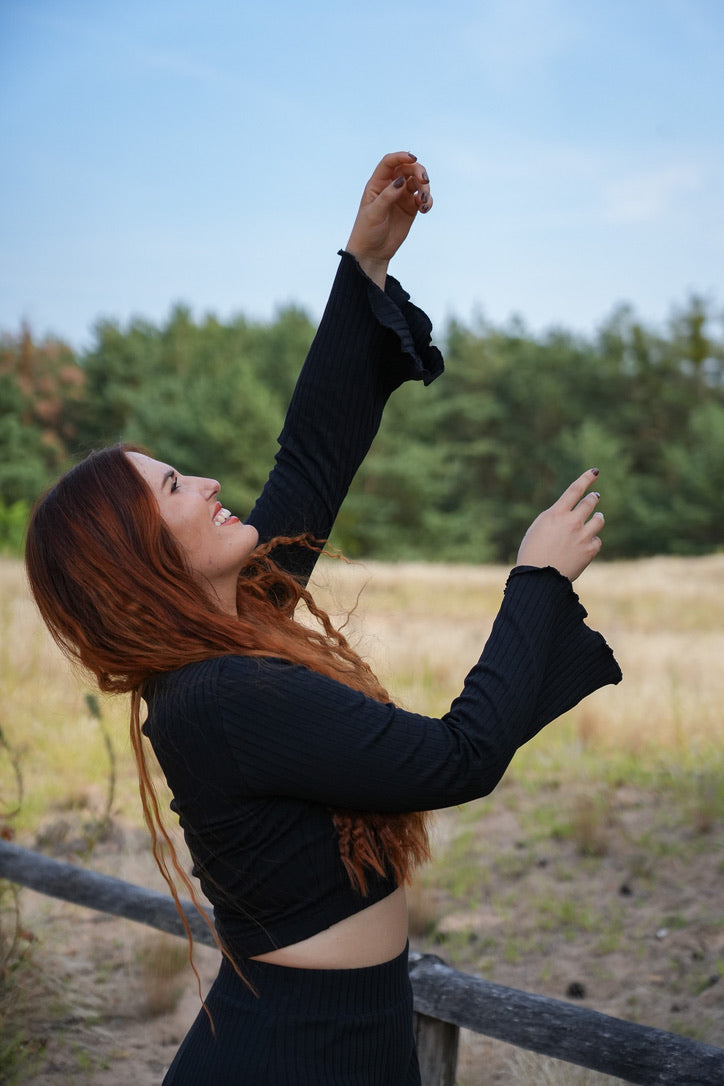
416, 174
596, 524
396, 193
573, 494
390, 165
396, 158
418, 186
423, 199
588, 503
387, 169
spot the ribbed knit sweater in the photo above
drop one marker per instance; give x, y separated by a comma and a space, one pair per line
257, 751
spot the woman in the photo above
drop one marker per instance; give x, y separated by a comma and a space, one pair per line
297, 783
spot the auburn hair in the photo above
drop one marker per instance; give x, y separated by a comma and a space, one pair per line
119, 597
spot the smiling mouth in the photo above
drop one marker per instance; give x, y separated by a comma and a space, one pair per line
223, 516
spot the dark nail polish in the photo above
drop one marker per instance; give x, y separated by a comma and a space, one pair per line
594, 471
425, 178
398, 182
424, 208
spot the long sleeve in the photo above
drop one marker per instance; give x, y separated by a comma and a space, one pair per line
295, 733
257, 750
368, 343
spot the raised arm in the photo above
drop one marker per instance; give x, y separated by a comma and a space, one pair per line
301, 734
370, 341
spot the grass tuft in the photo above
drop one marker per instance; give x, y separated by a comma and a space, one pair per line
163, 961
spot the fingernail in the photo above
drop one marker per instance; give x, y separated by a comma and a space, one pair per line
398, 182
594, 471
413, 157
425, 178
595, 494
425, 196
424, 208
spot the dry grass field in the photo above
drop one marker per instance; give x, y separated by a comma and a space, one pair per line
594, 871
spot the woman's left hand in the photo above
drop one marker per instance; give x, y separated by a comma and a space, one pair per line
566, 535
397, 190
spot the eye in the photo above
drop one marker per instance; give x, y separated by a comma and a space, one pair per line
174, 483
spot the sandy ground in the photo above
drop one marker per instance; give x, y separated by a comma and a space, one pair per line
646, 943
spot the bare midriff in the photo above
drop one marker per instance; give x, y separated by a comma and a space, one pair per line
375, 935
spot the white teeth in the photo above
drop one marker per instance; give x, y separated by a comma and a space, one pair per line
221, 517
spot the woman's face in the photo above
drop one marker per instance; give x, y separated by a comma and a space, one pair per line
216, 543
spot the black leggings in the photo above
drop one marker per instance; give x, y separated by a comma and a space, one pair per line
307, 1027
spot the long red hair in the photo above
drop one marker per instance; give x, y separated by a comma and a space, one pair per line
118, 596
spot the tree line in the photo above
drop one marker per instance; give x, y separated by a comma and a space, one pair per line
458, 470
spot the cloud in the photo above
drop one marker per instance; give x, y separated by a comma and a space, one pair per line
649, 195
177, 63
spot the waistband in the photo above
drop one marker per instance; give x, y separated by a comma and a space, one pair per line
317, 990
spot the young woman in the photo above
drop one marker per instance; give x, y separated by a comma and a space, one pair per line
298, 784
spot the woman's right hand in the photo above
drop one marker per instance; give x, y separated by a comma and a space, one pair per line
566, 535
396, 191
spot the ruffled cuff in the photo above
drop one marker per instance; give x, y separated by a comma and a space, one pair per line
579, 659
394, 311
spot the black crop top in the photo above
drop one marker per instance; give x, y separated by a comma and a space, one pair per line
256, 751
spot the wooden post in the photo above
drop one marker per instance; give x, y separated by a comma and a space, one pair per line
437, 1050
612, 1046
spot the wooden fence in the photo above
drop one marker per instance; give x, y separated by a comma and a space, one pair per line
445, 999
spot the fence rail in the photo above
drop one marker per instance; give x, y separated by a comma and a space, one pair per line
445, 999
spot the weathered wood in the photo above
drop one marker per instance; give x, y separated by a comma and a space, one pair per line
634, 1053
101, 892
437, 1050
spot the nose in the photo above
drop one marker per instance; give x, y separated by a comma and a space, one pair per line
209, 488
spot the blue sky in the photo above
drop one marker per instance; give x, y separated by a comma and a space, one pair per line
214, 154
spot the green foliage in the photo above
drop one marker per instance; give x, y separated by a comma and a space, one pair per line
207, 398
13, 519
457, 472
